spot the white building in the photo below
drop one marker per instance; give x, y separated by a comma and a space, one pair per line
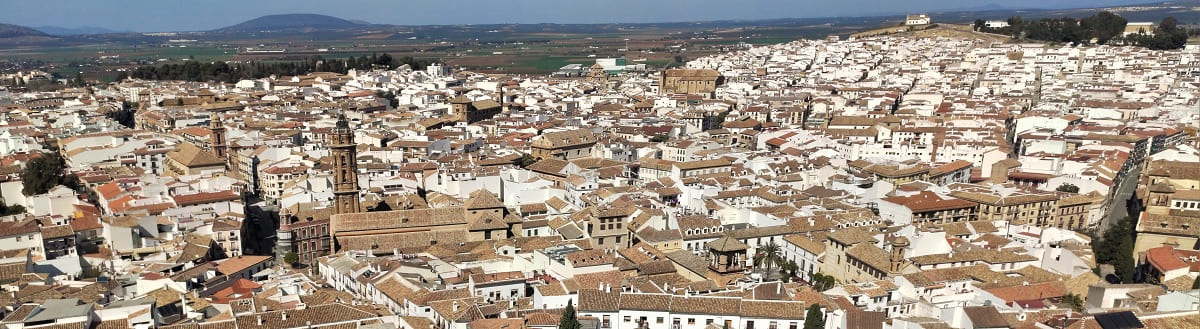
918, 19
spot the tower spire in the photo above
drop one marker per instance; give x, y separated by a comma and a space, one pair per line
345, 167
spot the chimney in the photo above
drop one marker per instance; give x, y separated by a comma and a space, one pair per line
283, 315
779, 288
454, 304
258, 319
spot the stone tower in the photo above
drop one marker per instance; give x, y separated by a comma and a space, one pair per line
345, 169
217, 139
897, 257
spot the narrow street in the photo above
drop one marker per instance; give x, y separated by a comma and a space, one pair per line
1121, 207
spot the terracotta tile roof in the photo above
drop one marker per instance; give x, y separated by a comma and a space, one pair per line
1031, 292
319, 315
1164, 259
481, 278
645, 302
975, 255
11, 272
927, 201
482, 199
394, 219
193, 156
727, 244
206, 197
57, 231
787, 310
810, 244
852, 236
590, 257
28, 226
237, 264
595, 300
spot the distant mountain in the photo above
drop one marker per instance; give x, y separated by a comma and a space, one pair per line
82, 30
290, 22
14, 31
987, 7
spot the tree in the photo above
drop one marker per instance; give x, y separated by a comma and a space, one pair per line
1168, 35
788, 270
291, 258
822, 282
393, 102
1196, 284
569, 319
6, 210
1074, 301
659, 138
77, 80
768, 256
124, 116
45, 172
979, 24
1067, 187
815, 319
524, 161
1116, 248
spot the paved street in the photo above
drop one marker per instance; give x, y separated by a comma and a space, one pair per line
1121, 207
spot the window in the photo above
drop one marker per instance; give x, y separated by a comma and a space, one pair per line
627, 318
658, 320
691, 321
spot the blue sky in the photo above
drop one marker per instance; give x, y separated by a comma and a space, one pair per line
194, 15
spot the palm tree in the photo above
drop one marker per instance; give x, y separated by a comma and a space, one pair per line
768, 256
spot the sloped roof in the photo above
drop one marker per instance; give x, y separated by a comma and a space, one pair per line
482, 199
193, 156
727, 244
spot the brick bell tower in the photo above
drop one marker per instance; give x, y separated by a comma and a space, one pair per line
345, 167
217, 139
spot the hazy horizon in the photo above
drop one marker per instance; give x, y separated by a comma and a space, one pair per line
151, 16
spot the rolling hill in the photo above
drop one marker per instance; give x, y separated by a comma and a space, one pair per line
15, 31
291, 22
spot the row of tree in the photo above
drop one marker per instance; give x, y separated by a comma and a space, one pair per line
1102, 28
1167, 35
1115, 248
226, 72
